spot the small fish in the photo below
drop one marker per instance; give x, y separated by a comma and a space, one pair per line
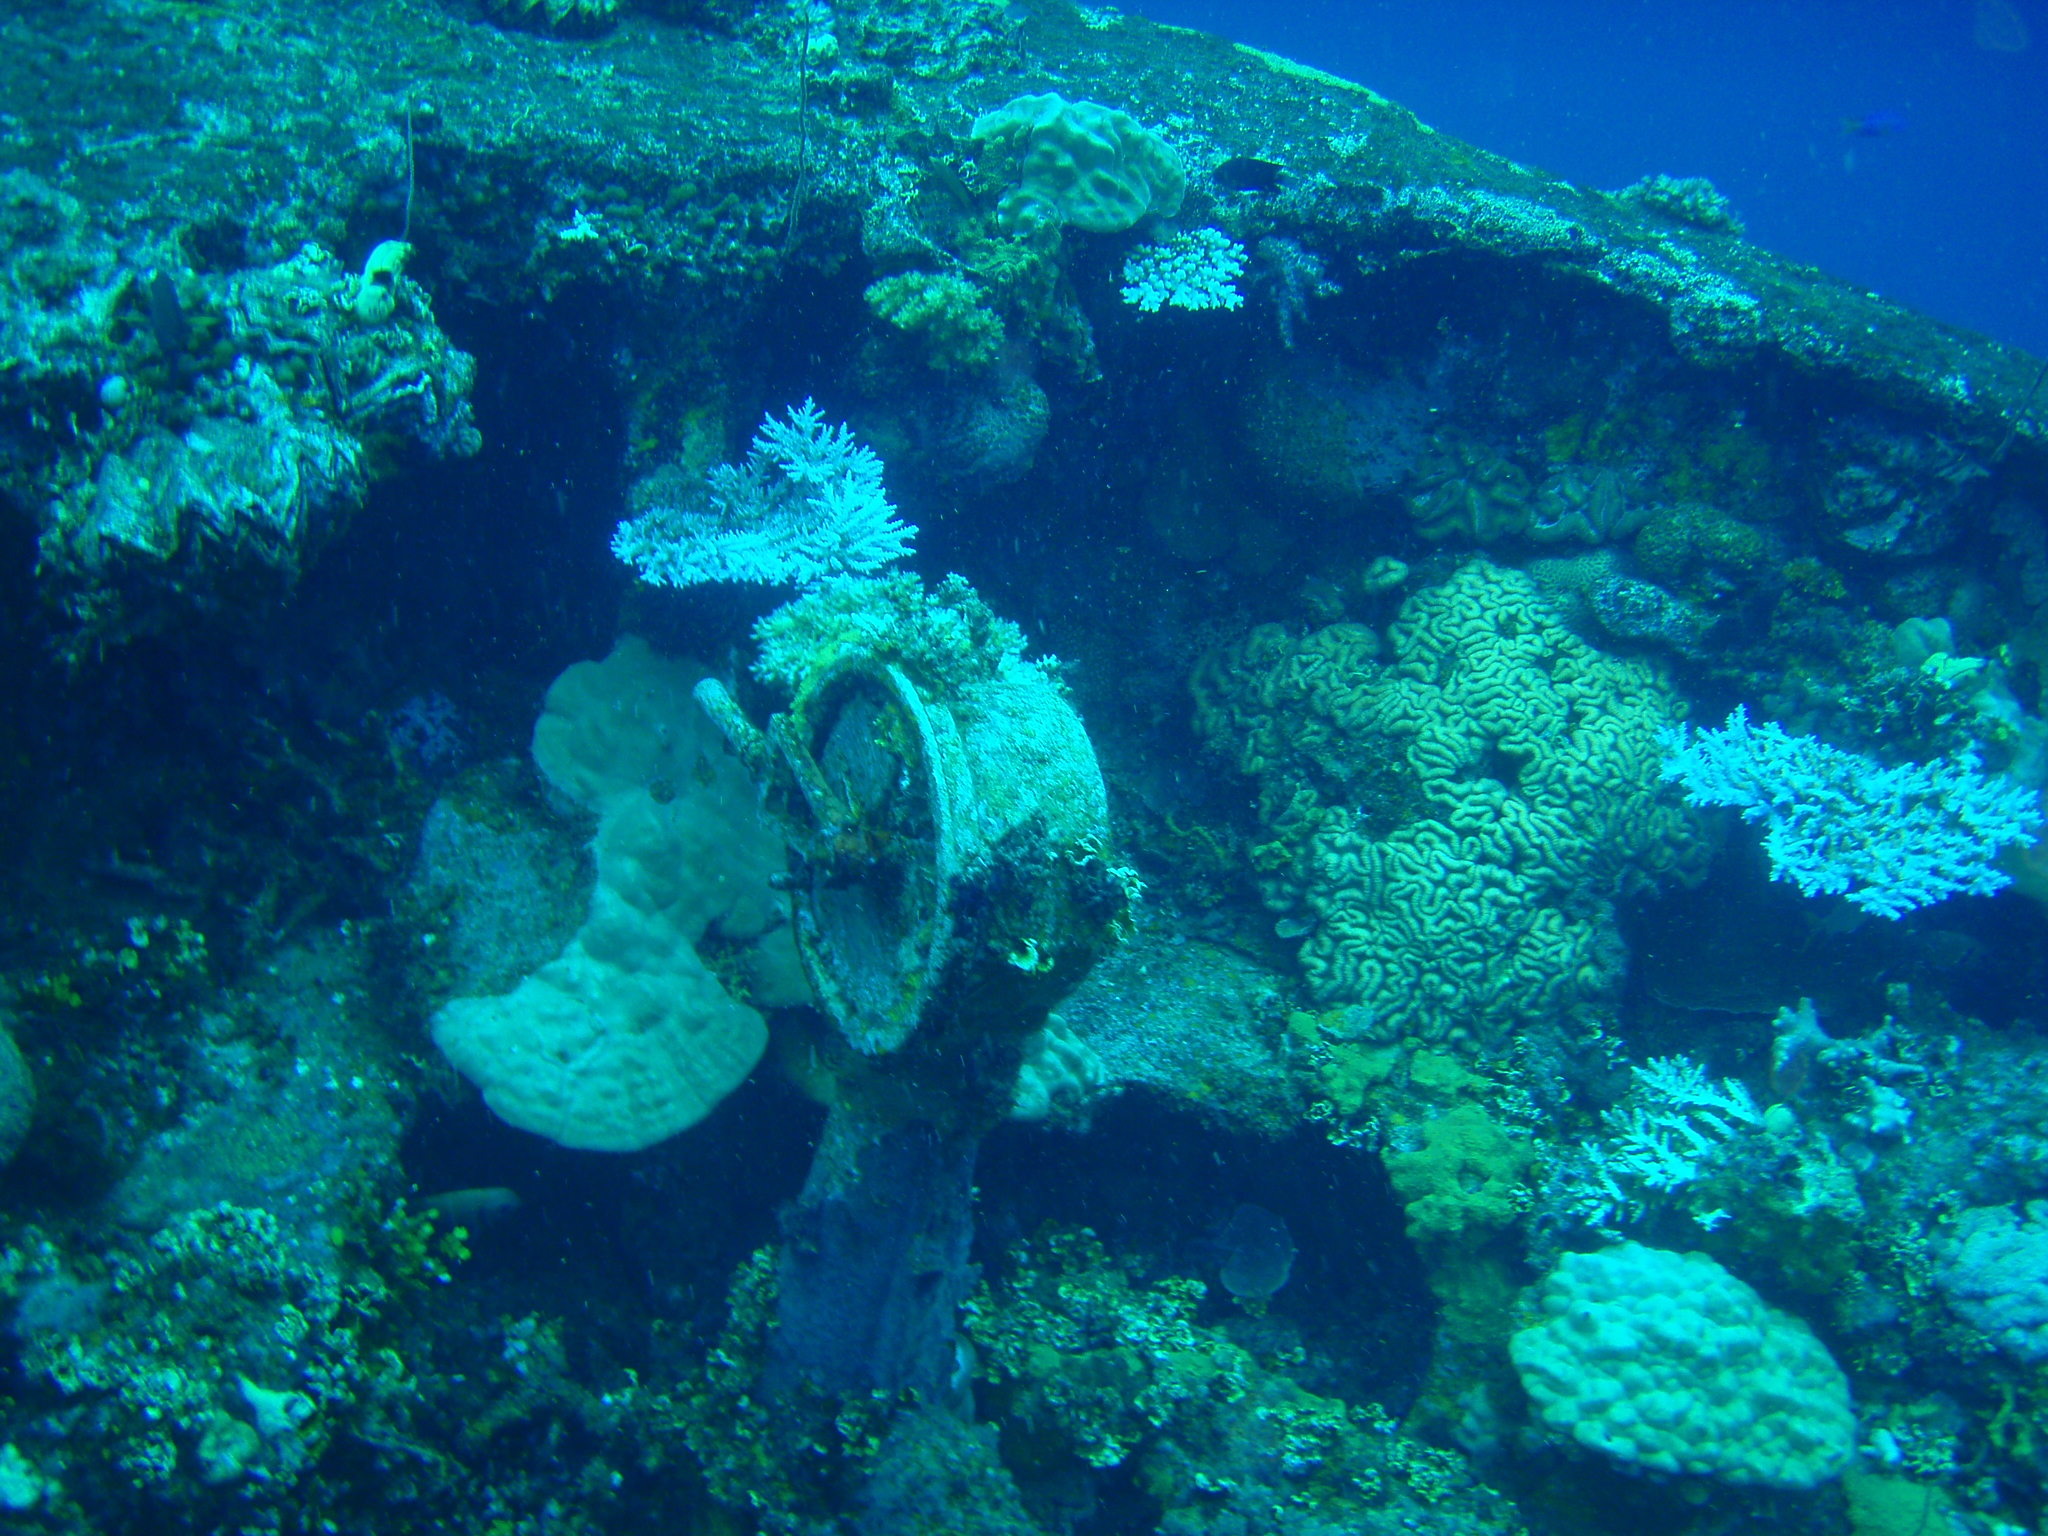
167, 320
1257, 1253
1872, 125
1248, 173
471, 1208
951, 183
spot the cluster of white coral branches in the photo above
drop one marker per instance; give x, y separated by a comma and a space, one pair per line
806, 505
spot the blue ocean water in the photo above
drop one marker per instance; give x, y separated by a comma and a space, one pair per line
1902, 145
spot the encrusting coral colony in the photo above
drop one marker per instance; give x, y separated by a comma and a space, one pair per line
921, 767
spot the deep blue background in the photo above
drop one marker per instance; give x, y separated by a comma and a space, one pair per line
1949, 213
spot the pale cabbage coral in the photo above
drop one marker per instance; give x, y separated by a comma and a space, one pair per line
627, 1036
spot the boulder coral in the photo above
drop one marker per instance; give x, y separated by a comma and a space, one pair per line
1078, 163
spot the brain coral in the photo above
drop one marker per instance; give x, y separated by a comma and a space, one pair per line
1459, 820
